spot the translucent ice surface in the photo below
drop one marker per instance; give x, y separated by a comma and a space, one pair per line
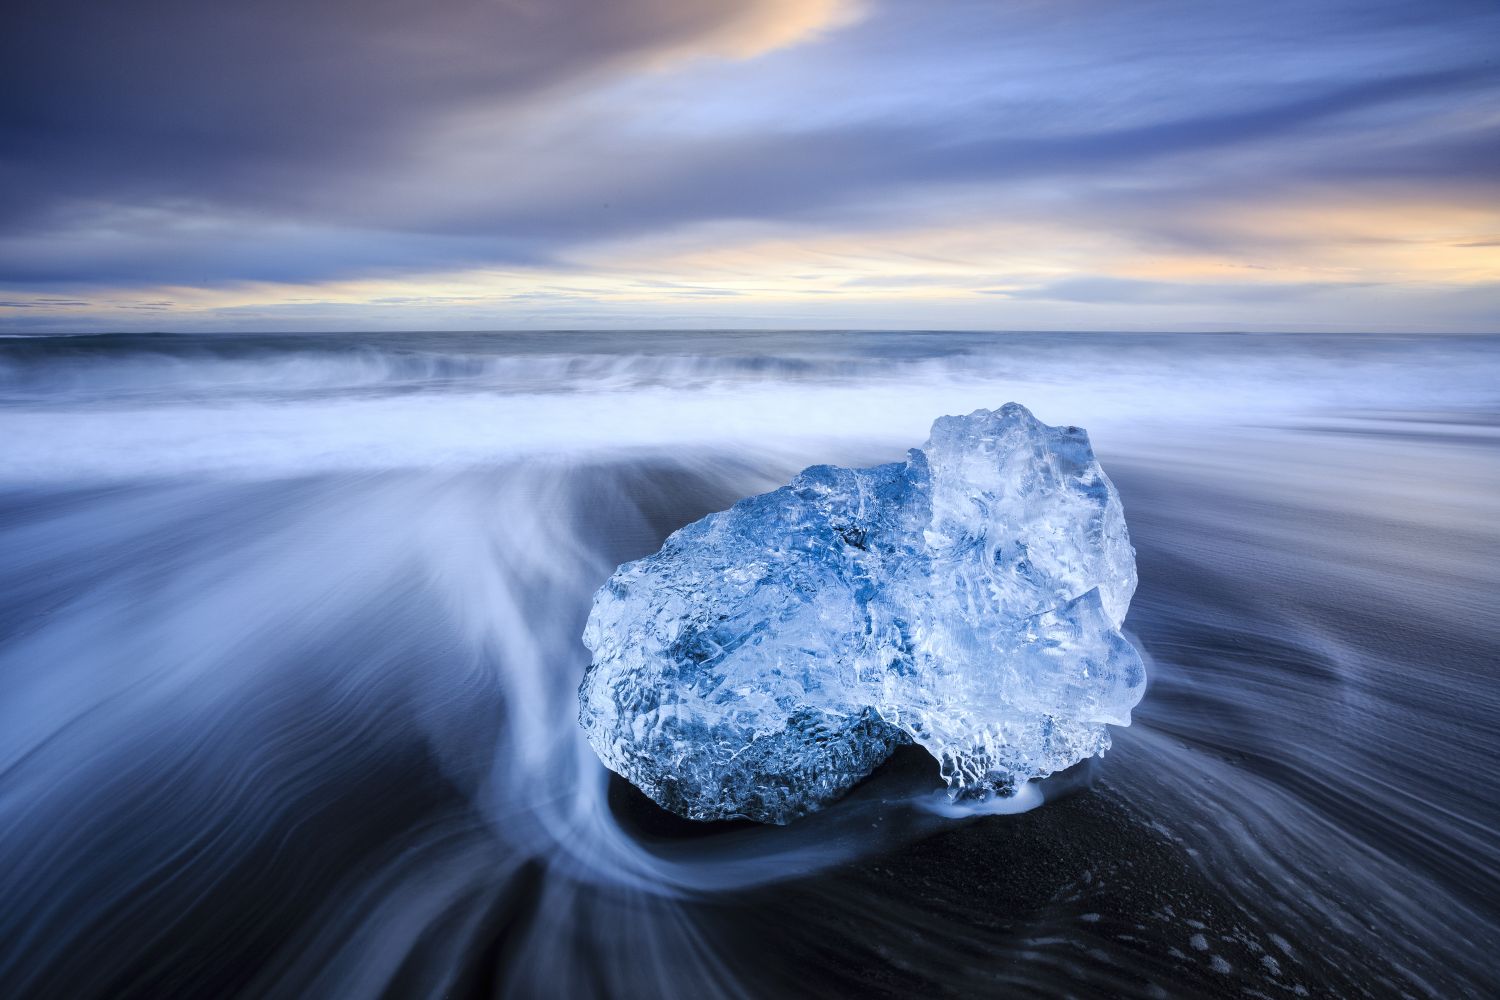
968, 599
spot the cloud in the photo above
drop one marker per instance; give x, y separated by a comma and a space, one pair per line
1108, 289
855, 174
170, 145
185, 99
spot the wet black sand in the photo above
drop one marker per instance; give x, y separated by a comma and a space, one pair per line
275, 735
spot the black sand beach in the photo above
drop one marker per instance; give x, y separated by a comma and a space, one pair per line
309, 731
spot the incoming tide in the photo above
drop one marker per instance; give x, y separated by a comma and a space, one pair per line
289, 652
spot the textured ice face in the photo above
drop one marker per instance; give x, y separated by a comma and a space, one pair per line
968, 599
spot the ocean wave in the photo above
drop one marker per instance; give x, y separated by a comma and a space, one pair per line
309, 729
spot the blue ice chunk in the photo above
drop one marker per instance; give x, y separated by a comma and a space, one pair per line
969, 599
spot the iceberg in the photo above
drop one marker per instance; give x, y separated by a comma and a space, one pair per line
969, 599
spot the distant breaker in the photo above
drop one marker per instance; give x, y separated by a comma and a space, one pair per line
968, 599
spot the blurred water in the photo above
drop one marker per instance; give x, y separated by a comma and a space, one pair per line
289, 651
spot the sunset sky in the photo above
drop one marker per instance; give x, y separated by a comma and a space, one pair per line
495, 164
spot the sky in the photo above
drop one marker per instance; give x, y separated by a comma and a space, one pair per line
932, 164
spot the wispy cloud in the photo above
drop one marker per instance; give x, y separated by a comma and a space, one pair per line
174, 157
